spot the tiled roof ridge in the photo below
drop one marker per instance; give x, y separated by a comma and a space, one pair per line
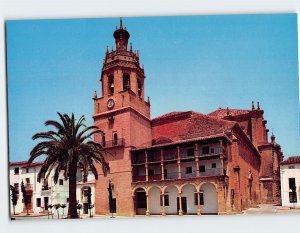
234, 111
291, 160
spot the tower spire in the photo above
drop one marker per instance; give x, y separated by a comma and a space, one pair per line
121, 23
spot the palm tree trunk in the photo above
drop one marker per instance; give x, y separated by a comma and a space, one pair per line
72, 193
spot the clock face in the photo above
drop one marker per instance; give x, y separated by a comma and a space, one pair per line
110, 103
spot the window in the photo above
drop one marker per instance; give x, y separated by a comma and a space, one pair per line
115, 139
195, 198
17, 170
139, 88
202, 168
214, 165
27, 170
205, 150
291, 167
103, 141
292, 183
190, 152
166, 197
165, 174
38, 202
188, 170
16, 186
212, 150
61, 182
150, 157
111, 84
27, 180
126, 82
150, 172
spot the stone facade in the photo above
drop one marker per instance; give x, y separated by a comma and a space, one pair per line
181, 162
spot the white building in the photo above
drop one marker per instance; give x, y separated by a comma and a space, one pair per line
290, 181
40, 195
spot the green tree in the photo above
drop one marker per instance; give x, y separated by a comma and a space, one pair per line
14, 197
68, 146
25, 198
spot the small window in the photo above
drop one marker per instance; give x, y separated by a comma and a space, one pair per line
190, 152
139, 88
126, 82
189, 170
202, 168
103, 141
214, 165
150, 172
115, 139
291, 167
165, 174
38, 202
27, 180
212, 150
27, 170
205, 150
61, 182
292, 183
111, 84
195, 198
166, 197
17, 170
150, 157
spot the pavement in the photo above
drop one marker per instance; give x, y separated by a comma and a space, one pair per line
271, 209
260, 209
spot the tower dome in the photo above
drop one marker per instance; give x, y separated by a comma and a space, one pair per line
121, 36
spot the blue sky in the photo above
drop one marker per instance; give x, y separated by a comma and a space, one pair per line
195, 63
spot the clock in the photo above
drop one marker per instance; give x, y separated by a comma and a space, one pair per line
110, 103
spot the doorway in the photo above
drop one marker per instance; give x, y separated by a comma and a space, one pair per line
184, 205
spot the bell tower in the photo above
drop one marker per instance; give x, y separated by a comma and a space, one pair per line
124, 116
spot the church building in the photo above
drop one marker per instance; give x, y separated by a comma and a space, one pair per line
182, 162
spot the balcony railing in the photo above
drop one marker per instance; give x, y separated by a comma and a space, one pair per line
167, 156
113, 143
184, 175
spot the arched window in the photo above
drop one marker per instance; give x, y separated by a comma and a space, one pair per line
126, 82
139, 84
115, 139
111, 86
103, 141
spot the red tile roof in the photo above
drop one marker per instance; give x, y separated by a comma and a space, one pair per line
291, 160
178, 126
221, 112
24, 164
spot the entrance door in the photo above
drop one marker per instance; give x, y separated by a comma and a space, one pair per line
184, 205
85, 208
46, 202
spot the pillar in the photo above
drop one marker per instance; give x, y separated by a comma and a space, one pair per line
180, 212
198, 204
163, 211
197, 161
162, 164
147, 205
178, 162
146, 165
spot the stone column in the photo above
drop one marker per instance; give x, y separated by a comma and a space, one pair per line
222, 164
147, 205
180, 212
146, 165
198, 204
162, 164
197, 161
178, 162
163, 211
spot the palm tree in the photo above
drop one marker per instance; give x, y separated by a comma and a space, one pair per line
66, 148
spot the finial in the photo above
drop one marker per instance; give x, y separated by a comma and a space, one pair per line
107, 49
227, 111
252, 105
137, 52
148, 99
258, 106
130, 47
121, 23
95, 95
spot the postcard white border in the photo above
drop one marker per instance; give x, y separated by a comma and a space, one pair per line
36, 9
